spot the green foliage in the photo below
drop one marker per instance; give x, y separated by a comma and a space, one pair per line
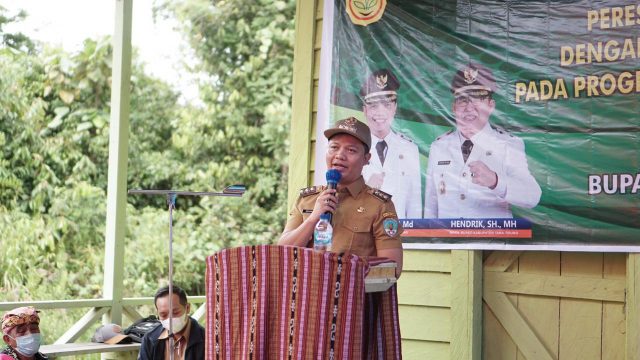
238, 135
14, 41
246, 49
54, 133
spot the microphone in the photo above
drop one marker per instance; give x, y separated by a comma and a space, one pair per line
333, 177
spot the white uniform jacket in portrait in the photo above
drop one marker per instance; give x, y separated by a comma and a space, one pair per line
401, 171
450, 192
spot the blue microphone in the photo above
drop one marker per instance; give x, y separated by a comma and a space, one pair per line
333, 177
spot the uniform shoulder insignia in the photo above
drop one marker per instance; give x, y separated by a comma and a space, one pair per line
405, 137
381, 195
310, 190
445, 134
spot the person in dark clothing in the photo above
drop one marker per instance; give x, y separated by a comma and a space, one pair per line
188, 335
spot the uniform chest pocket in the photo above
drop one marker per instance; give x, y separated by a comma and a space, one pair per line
359, 239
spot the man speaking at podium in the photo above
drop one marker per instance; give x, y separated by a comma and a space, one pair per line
364, 219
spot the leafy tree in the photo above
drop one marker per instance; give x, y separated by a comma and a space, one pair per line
14, 41
246, 49
238, 135
54, 123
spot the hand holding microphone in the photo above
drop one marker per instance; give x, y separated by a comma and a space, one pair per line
329, 197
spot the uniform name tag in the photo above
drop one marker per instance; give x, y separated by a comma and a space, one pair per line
307, 211
444, 162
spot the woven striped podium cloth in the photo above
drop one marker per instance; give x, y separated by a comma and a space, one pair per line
381, 330
285, 302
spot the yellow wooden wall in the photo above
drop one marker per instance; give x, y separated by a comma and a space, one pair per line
438, 292
424, 292
498, 305
306, 71
551, 305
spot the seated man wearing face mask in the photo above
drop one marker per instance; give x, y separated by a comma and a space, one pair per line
21, 333
188, 335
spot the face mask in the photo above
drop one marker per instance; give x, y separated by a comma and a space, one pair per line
177, 322
28, 345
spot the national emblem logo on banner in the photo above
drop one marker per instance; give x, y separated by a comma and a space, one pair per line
381, 81
365, 12
470, 75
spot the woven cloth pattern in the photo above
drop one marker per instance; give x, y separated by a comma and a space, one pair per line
284, 302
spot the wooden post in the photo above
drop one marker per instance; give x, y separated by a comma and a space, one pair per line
632, 305
302, 99
118, 155
466, 304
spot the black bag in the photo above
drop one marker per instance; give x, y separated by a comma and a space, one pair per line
140, 327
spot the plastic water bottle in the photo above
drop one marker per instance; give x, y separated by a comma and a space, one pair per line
323, 234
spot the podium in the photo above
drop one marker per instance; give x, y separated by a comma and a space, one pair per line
284, 302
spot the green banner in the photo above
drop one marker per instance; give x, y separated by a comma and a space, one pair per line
557, 84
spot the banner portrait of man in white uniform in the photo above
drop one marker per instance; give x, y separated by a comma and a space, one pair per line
477, 170
395, 163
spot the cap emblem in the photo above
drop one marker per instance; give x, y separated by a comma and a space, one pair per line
351, 121
470, 75
349, 125
381, 81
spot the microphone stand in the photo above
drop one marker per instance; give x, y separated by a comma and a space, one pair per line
232, 190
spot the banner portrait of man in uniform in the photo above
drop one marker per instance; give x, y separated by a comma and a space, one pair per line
477, 170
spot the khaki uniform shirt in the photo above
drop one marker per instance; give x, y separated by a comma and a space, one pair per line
365, 219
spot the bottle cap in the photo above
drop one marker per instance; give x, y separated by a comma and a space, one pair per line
324, 217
